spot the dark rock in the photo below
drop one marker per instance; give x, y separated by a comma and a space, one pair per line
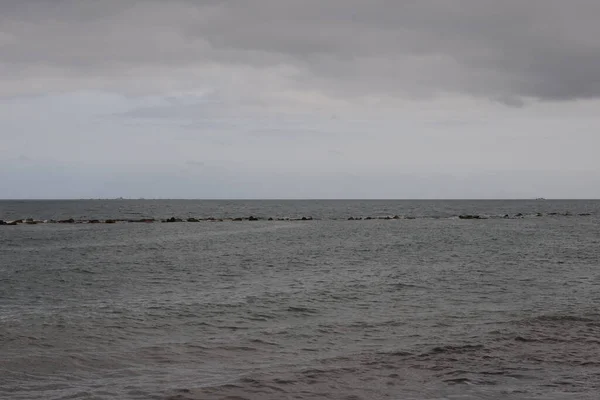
581, 215
93, 221
173, 219
553, 213
506, 216
351, 219
193, 220
110, 221
237, 219
396, 217
2, 222
11, 223
67, 221
539, 215
519, 215
368, 218
251, 218
270, 219
468, 216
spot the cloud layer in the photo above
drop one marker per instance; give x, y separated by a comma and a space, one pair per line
503, 50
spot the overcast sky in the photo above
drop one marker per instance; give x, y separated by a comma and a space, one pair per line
300, 98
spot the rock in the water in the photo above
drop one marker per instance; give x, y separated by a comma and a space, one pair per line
469, 216
251, 218
193, 220
237, 219
110, 221
396, 217
67, 221
270, 219
2, 222
584, 214
93, 221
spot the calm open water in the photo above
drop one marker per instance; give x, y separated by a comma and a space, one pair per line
433, 307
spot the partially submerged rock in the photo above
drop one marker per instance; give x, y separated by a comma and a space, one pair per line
469, 216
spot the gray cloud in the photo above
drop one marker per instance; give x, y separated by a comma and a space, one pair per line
507, 50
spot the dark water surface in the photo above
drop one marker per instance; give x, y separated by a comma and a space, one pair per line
433, 307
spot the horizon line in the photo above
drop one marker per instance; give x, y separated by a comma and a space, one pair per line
294, 199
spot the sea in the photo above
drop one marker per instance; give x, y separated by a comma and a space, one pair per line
357, 300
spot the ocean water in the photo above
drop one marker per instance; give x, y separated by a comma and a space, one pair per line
427, 306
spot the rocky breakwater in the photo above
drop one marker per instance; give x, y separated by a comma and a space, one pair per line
252, 218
